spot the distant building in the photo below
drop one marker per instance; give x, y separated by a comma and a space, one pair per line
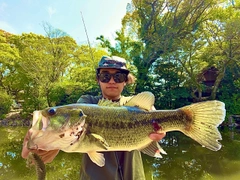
208, 77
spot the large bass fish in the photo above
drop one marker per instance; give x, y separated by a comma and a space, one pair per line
92, 129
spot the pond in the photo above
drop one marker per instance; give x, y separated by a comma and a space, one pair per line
186, 159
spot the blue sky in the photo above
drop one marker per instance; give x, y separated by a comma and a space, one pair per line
102, 17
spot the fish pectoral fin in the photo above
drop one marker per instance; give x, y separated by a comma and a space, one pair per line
97, 158
102, 142
144, 100
154, 150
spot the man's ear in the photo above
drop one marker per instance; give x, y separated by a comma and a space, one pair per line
97, 79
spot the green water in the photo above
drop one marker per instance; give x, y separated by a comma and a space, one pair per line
186, 160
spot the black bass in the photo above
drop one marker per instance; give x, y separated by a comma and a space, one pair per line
108, 126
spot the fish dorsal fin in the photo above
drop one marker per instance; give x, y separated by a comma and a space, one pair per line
124, 100
106, 102
97, 158
144, 100
154, 150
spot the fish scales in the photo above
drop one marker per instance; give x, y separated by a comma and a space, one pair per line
122, 128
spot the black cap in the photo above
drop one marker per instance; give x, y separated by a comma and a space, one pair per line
113, 62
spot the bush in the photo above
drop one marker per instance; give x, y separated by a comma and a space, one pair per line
5, 104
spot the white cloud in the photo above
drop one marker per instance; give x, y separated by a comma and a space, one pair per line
51, 11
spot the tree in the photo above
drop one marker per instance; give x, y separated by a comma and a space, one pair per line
159, 28
44, 62
80, 76
162, 26
223, 38
9, 56
5, 103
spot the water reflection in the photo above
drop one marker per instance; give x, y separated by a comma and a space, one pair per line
186, 160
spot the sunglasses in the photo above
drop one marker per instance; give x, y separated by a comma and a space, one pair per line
117, 77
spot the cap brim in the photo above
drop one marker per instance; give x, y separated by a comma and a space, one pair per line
126, 70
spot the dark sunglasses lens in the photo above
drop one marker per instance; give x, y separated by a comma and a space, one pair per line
117, 77
104, 77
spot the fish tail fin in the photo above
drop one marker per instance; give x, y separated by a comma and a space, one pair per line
206, 117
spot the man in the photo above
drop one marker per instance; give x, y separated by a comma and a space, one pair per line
112, 76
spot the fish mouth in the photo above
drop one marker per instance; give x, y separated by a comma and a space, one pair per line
45, 137
39, 121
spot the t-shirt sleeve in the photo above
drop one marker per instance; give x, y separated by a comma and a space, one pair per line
88, 99
84, 99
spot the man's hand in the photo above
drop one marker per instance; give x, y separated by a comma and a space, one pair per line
156, 136
47, 156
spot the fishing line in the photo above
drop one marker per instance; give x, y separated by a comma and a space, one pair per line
119, 166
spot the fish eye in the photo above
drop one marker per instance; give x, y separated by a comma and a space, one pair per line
81, 114
52, 111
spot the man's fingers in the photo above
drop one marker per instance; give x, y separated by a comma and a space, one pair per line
25, 150
156, 136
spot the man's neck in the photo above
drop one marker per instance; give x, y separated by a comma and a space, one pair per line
113, 99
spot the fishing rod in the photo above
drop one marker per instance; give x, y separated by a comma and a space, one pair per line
90, 48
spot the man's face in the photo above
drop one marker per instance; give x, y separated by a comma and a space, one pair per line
111, 90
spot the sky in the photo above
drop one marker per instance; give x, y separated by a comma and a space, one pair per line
101, 17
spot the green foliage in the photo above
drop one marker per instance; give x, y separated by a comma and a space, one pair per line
68, 93
9, 56
229, 92
33, 102
56, 94
166, 84
5, 103
46, 70
162, 29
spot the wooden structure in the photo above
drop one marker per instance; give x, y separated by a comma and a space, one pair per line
208, 77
